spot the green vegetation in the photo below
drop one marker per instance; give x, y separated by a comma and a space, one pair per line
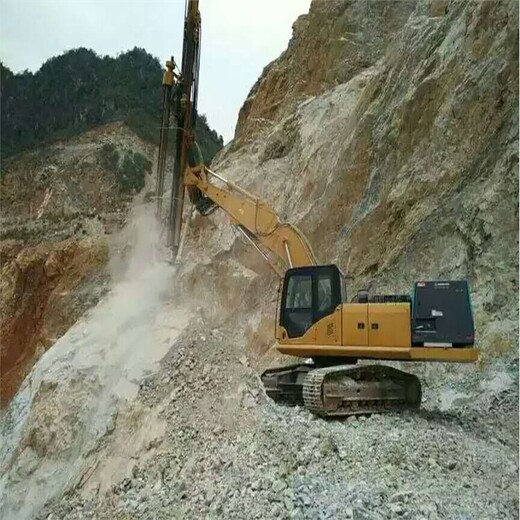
80, 90
129, 167
109, 157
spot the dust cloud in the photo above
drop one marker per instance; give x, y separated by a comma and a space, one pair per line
72, 397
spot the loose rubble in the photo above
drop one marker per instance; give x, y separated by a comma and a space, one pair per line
230, 452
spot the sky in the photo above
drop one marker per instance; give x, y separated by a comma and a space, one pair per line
239, 37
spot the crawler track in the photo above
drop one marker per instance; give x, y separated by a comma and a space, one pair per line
343, 390
284, 384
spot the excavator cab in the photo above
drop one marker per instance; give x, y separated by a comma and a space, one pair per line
317, 321
308, 295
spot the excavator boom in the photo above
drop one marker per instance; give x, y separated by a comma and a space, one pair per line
255, 219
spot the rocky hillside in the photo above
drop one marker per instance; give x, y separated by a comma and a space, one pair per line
399, 159
76, 181
61, 205
388, 132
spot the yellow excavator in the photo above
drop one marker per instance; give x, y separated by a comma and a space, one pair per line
314, 320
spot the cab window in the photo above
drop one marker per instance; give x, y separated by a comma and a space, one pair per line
299, 292
298, 304
309, 294
324, 292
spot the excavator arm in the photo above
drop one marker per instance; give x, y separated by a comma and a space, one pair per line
281, 245
256, 220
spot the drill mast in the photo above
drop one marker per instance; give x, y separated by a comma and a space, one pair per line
179, 112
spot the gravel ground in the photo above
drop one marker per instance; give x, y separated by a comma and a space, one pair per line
229, 452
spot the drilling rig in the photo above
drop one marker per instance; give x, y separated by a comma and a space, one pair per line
179, 112
315, 318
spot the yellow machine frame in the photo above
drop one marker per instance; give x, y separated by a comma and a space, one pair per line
337, 334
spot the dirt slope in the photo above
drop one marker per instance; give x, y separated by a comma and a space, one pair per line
60, 205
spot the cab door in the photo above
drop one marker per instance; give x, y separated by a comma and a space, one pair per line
327, 324
311, 299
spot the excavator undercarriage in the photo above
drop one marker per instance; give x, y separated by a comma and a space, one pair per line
343, 390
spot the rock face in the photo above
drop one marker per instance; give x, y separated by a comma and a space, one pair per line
45, 288
60, 205
401, 161
72, 178
330, 45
